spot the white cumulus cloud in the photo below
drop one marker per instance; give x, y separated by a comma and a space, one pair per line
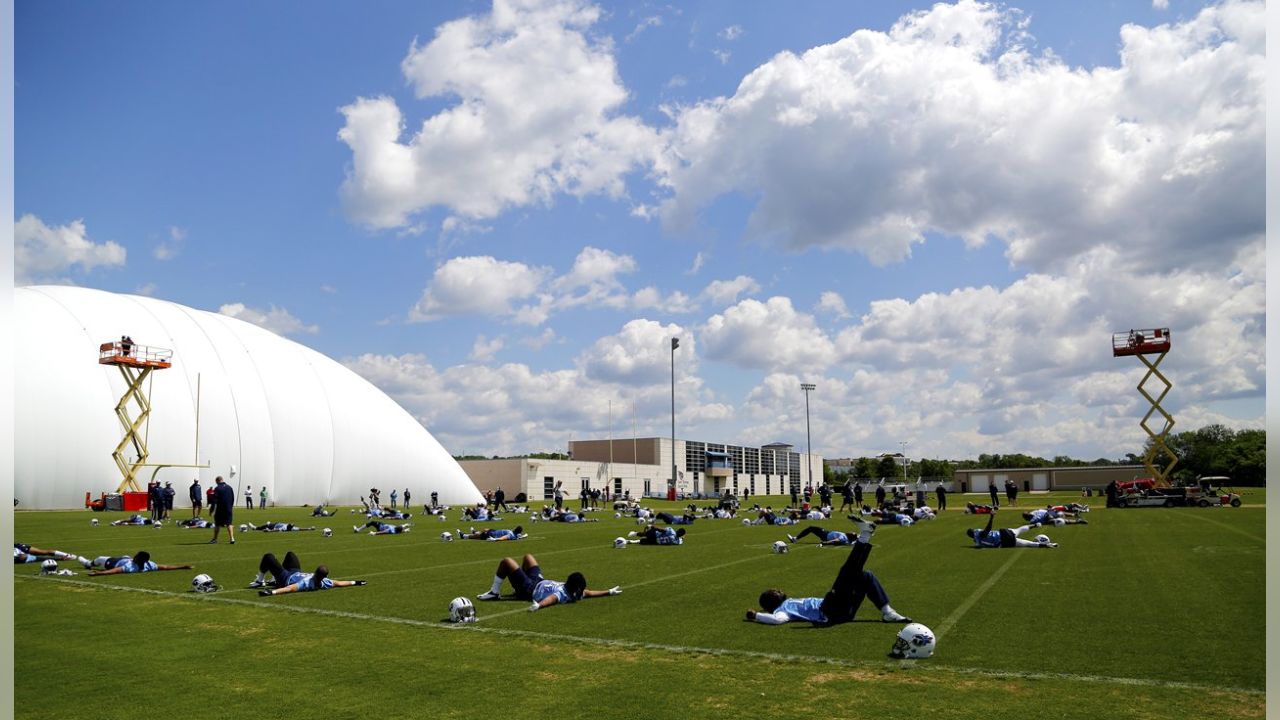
278, 320
948, 123
769, 335
44, 254
535, 111
477, 285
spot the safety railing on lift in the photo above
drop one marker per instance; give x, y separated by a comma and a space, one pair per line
126, 353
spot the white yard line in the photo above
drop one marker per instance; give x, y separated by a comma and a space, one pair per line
634, 645
945, 626
1197, 513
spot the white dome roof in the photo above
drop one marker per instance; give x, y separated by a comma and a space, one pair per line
283, 415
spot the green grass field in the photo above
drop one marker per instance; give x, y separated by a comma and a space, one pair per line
1146, 613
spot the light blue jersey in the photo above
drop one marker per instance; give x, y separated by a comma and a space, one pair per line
836, 536
1042, 516
667, 536
803, 609
502, 535
129, 566
306, 582
547, 588
987, 538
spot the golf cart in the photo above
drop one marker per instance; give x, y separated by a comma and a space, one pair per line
1210, 491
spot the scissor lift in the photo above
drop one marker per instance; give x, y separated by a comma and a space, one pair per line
1143, 343
136, 362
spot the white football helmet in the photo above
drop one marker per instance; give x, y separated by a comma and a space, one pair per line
617, 515
328, 532
157, 524
204, 584
619, 543
440, 517
1059, 521
640, 521
462, 611
1042, 539
49, 567
780, 548
914, 641
94, 522
447, 537
745, 521
244, 527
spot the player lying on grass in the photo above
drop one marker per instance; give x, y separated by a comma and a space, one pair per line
23, 553
381, 528
852, 585
320, 511
479, 513
1049, 516
1073, 507
1006, 537
768, 517
972, 509
670, 519
657, 536
884, 517
269, 526
924, 512
567, 516
494, 534
139, 563
529, 585
825, 537
289, 578
195, 523
134, 519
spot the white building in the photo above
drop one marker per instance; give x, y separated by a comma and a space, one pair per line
273, 411
642, 467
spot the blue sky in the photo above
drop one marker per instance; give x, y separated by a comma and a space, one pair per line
500, 212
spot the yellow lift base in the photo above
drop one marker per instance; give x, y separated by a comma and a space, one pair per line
135, 363
1143, 343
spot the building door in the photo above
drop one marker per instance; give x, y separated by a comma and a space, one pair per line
548, 488
979, 483
617, 487
1040, 481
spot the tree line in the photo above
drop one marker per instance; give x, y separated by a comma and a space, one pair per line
1212, 450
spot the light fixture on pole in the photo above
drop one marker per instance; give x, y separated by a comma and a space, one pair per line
903, 443
806, 387
675, 343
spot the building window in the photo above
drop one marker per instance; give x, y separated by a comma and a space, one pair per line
548, 488
617, 487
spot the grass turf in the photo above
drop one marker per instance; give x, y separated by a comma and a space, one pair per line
1142, 613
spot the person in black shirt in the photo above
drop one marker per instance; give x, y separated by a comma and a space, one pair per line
224, 498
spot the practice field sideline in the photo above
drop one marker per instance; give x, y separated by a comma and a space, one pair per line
1140, 609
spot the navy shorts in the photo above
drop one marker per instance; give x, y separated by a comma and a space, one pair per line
524, 581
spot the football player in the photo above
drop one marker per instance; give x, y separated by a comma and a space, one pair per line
657, 536
529, 585
23, 553
289, 578
852, 585
494, 534
139, 563
1006, 537
825, 537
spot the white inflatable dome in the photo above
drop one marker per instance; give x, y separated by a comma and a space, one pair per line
279, 413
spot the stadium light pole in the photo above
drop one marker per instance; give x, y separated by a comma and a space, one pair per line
903, 443
675, 343
806, 387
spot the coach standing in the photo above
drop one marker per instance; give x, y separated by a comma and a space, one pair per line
224, 504
197, 498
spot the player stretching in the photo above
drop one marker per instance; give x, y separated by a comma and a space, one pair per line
853, 584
